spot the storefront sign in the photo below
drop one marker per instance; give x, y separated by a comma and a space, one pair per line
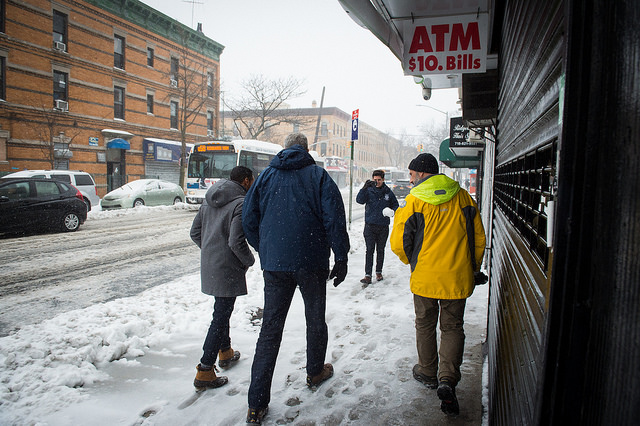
93, 141
459, 133
446, 45
158, 150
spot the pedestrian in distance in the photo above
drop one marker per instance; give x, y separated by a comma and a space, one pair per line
294, 217
380, 204
439, 233
224, 259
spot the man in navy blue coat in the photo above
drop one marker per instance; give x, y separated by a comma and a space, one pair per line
293, 215
380, 204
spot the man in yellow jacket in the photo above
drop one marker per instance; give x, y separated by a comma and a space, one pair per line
439, 233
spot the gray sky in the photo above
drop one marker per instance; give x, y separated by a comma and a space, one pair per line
318, 42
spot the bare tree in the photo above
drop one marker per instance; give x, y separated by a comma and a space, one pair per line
259, 107
48, 125
433, 135
190, 80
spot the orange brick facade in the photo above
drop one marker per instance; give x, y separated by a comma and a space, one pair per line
29, 121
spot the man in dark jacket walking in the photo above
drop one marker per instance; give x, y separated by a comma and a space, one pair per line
294, 217
224, 260
380, 203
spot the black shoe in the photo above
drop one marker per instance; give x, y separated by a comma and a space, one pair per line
325, 374
428, 381
447, 394
255, 416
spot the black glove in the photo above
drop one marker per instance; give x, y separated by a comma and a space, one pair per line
480, 278
369, 183
339, 272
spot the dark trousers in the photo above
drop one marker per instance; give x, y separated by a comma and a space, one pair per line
218, 334
375, 237
278, 293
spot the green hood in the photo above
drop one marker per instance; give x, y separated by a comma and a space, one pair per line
436, 189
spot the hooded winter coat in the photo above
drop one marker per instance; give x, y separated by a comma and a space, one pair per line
217, 230
375, 200
293, 215
431, 233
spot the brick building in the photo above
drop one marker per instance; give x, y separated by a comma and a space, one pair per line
102, 86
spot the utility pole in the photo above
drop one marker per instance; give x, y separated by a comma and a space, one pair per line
315, 140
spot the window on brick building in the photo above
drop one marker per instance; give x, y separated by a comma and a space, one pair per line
150, 56
2, 17
210, 82
3, 72
59, 30
150, 104
118, 102
209, 122
118, 51
175, 68
174, 114
60, 89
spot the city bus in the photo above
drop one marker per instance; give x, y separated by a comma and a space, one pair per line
212, 160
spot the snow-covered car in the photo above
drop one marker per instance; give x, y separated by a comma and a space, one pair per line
143, 192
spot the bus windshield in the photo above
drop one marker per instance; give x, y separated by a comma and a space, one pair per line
207, 165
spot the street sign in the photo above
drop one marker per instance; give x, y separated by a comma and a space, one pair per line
354, 124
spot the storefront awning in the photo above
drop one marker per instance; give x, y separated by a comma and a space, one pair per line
455, 162
118, 143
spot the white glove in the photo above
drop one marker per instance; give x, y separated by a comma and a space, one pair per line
388, 212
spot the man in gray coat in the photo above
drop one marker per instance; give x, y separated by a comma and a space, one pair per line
224, 260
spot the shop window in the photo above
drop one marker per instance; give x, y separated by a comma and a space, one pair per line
209, 122
523, 188
118, 102
118, 51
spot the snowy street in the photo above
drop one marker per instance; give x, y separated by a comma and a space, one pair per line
114, 254
123, 347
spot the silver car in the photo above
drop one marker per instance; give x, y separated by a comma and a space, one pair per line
143, 192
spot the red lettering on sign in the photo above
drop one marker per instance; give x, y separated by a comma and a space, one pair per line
420, 40
460, 40
451, 62
440, 31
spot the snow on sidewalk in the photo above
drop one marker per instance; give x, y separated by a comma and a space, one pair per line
132, 360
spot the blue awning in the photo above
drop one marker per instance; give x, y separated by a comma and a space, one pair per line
118, 143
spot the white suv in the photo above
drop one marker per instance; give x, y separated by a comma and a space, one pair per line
81, 180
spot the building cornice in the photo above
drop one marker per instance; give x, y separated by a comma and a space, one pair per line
157, 22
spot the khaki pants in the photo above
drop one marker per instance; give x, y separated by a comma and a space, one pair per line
451, 313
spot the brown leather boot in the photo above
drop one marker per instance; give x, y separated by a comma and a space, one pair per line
208, 379
325, 374
227, 357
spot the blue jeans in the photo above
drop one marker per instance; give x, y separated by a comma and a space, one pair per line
278, 293
375, 237
218, 334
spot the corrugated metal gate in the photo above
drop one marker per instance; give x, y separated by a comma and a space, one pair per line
163, 170
531, 67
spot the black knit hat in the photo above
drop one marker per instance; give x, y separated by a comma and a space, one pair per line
425, 163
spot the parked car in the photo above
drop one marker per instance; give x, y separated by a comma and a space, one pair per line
401, 187
143, 192
81, 180
30, 204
